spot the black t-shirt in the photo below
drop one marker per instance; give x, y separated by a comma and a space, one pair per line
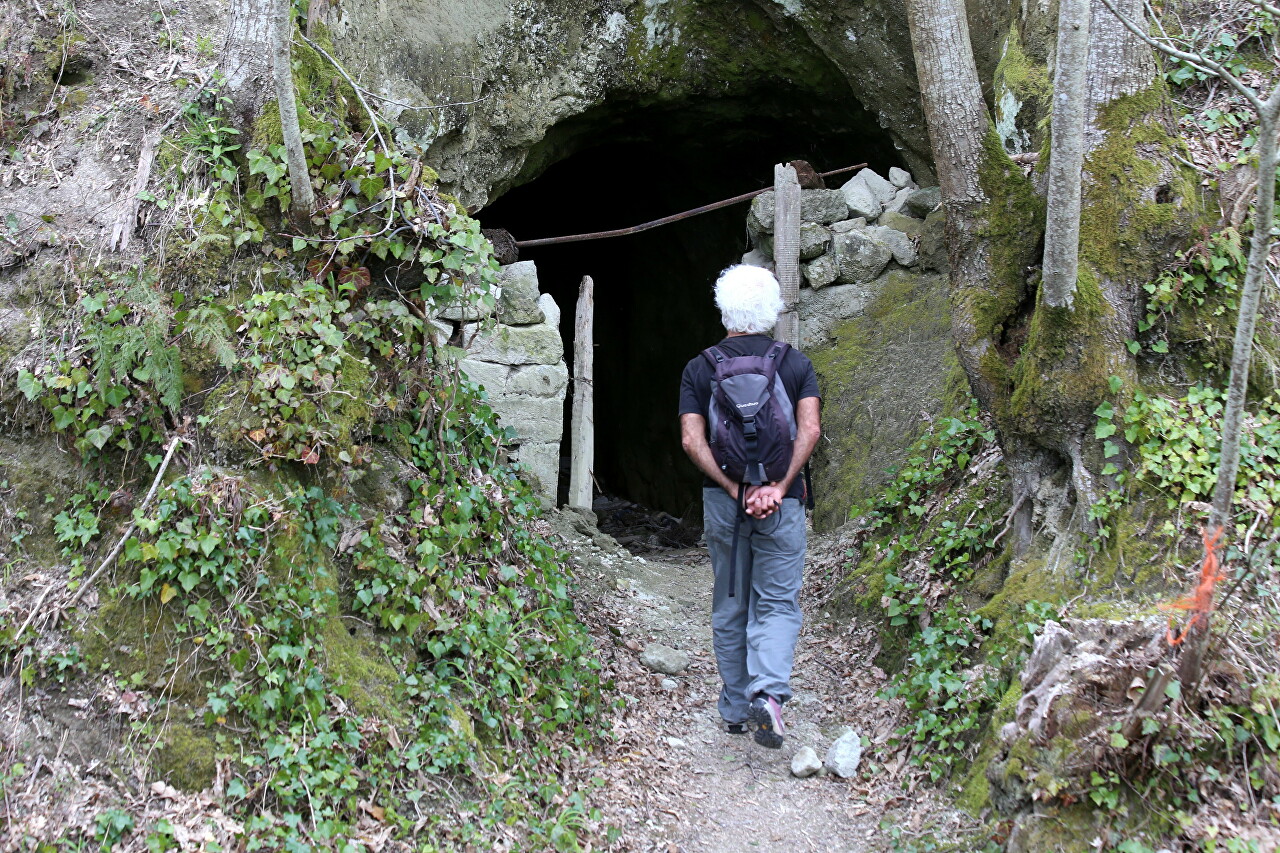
797, 373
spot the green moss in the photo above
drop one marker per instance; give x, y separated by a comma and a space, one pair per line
187, 757
1020, 74
360, 672
1028, 581
899, 349
316, 83
140, 642
1122, 227
1014, 217
1066, 362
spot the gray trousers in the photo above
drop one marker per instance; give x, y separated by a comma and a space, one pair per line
754, 632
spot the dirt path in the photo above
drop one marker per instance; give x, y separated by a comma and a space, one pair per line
676, 781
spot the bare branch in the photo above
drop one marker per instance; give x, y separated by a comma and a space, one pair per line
1270, 8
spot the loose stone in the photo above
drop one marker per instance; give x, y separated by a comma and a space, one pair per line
860, 198
805, 763
664, 659
847, 225
845, 755
883, 190
904, 251
821, 271
900, 178
814, 239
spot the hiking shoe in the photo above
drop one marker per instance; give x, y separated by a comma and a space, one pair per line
736, 728
765, 717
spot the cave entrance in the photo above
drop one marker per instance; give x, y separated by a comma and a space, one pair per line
625, 164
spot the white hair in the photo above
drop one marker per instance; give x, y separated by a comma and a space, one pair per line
749, 299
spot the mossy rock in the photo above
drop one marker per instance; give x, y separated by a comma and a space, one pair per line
886, 375
186, 756
35, 468
360, 672
139, 641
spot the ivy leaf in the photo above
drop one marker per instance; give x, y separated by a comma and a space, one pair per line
1104, 429
167, 593
29, 385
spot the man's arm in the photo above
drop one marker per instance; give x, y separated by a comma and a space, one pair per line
693, 437
808, 431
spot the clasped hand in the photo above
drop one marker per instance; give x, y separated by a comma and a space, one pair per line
763, 501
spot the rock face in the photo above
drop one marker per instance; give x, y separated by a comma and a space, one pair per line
845, 755
664, 659
528, 95
520, 362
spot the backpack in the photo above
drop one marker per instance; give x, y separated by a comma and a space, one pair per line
752, 424
751, 419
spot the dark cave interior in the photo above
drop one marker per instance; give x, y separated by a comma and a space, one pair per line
625, 164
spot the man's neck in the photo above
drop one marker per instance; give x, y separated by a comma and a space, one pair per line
740, 334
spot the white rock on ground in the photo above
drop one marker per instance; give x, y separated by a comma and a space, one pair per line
664, 659
805, 763
845, 755
669, 684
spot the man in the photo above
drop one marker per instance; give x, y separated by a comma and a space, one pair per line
755, 624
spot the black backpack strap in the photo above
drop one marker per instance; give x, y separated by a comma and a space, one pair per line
773, 359
713, 356
737, 528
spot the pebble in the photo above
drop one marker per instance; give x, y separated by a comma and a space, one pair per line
675, 743
805, 763
669, 684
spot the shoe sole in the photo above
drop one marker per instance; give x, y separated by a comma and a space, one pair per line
762, 728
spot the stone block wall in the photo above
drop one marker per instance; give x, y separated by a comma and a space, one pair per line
520, 362
851, 239
874, 319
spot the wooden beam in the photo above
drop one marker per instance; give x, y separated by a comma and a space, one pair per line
786, 249
582, 422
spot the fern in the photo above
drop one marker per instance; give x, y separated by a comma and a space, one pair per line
207, 327
131, 341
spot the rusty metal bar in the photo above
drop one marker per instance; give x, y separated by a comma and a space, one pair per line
666, 220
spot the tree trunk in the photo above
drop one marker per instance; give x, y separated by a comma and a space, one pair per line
246, 59
1066, 155
301, 199
993, 225
1250, 296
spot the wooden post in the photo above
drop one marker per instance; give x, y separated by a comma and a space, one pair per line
582, 435
786, 249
